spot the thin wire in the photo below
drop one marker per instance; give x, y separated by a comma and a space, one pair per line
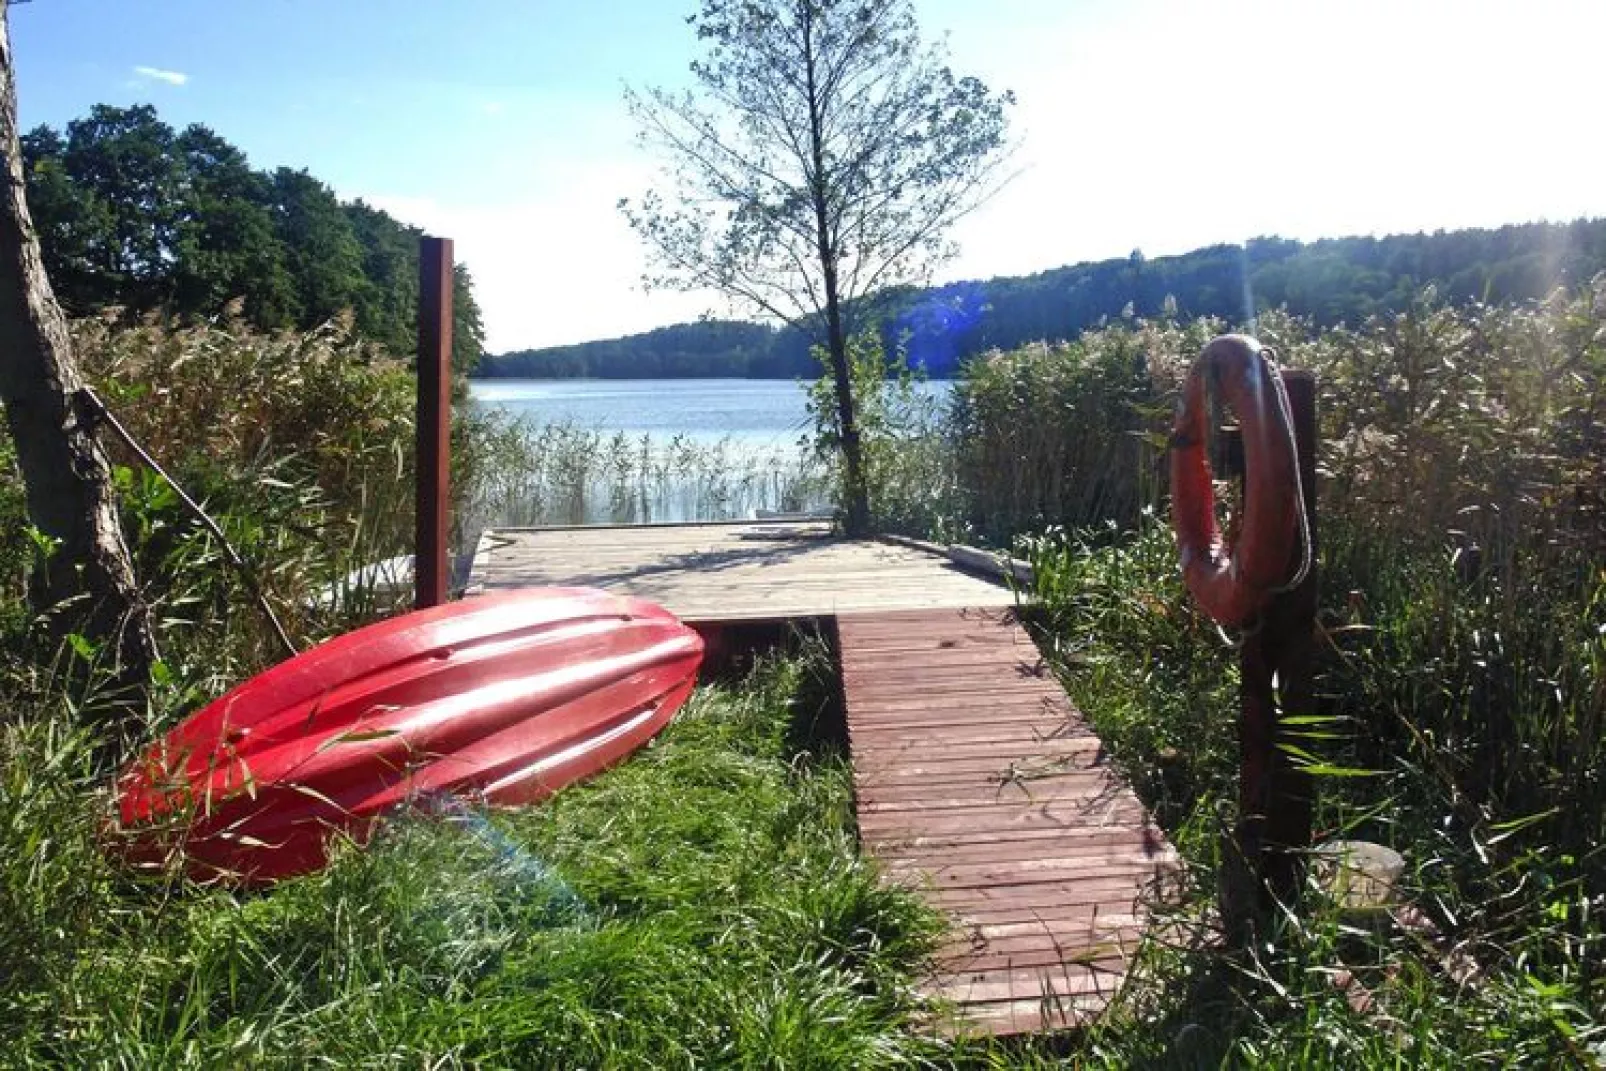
102, 413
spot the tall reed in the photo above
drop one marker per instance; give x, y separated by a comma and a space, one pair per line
1463, 676
567, 473
1068, 434
905, 439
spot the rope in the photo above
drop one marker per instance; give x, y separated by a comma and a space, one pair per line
102, 414
1286, 409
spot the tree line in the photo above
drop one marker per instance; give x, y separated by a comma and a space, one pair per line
703, 349
1332, 282
135, 216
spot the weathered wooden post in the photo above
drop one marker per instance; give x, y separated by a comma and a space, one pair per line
1276, 663
431, 571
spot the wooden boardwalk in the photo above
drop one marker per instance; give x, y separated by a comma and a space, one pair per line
977, 783
743, 571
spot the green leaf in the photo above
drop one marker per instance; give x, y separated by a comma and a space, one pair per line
1297, 752
46, 545
355, 736
1322, 769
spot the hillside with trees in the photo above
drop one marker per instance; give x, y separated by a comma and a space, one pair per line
702, 349
1333, 282
136, 216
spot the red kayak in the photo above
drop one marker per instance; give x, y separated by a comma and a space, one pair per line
505, 697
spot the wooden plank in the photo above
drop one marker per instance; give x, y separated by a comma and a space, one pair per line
1006, 936
1101, 977
1009, 870
952, 704
1116, 892
1029, 760
1109, 947
999, 740
1024, 727
1032, 1016
979, 786
987, 918
971, 654
1081, 789
647, 527
1028, 777
973, 843
967, 795
994, 741
1000, 816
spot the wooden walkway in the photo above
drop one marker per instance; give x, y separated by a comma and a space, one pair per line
980, 785
977, 783
743, 571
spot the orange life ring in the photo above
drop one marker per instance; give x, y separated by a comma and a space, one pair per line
1233, 583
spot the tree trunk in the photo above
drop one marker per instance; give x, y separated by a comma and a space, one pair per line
88, 582
856, 489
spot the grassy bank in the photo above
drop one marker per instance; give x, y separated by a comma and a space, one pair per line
1462, 687
1498, 962
703, 903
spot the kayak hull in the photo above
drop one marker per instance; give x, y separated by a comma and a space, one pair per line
505, 698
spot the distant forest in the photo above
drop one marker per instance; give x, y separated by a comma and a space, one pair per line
1333, 281
136, 216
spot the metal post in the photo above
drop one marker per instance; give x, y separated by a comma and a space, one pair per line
1274, 795
435, 281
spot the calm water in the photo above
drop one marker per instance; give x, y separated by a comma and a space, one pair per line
716, 449
760, 412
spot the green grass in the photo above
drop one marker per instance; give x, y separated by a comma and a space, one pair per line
1502, 857
702, 904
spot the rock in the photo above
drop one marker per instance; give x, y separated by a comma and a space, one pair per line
1359, 875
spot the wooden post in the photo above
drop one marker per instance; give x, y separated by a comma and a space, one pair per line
1274, 795
431, 570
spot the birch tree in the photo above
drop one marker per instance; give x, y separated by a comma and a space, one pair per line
821, 158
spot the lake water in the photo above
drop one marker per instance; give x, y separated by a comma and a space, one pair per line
758, 412
715, 449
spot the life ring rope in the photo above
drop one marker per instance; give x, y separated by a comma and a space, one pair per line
1303, 514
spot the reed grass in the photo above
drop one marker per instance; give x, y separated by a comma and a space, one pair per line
906, 440
566, 473
1065, 435
1461, 693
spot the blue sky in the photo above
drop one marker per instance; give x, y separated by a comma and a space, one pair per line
1153, 124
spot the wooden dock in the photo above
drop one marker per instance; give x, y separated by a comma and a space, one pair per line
981, 786
747, 571
978, 784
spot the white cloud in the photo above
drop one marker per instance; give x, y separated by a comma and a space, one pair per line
157, 74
